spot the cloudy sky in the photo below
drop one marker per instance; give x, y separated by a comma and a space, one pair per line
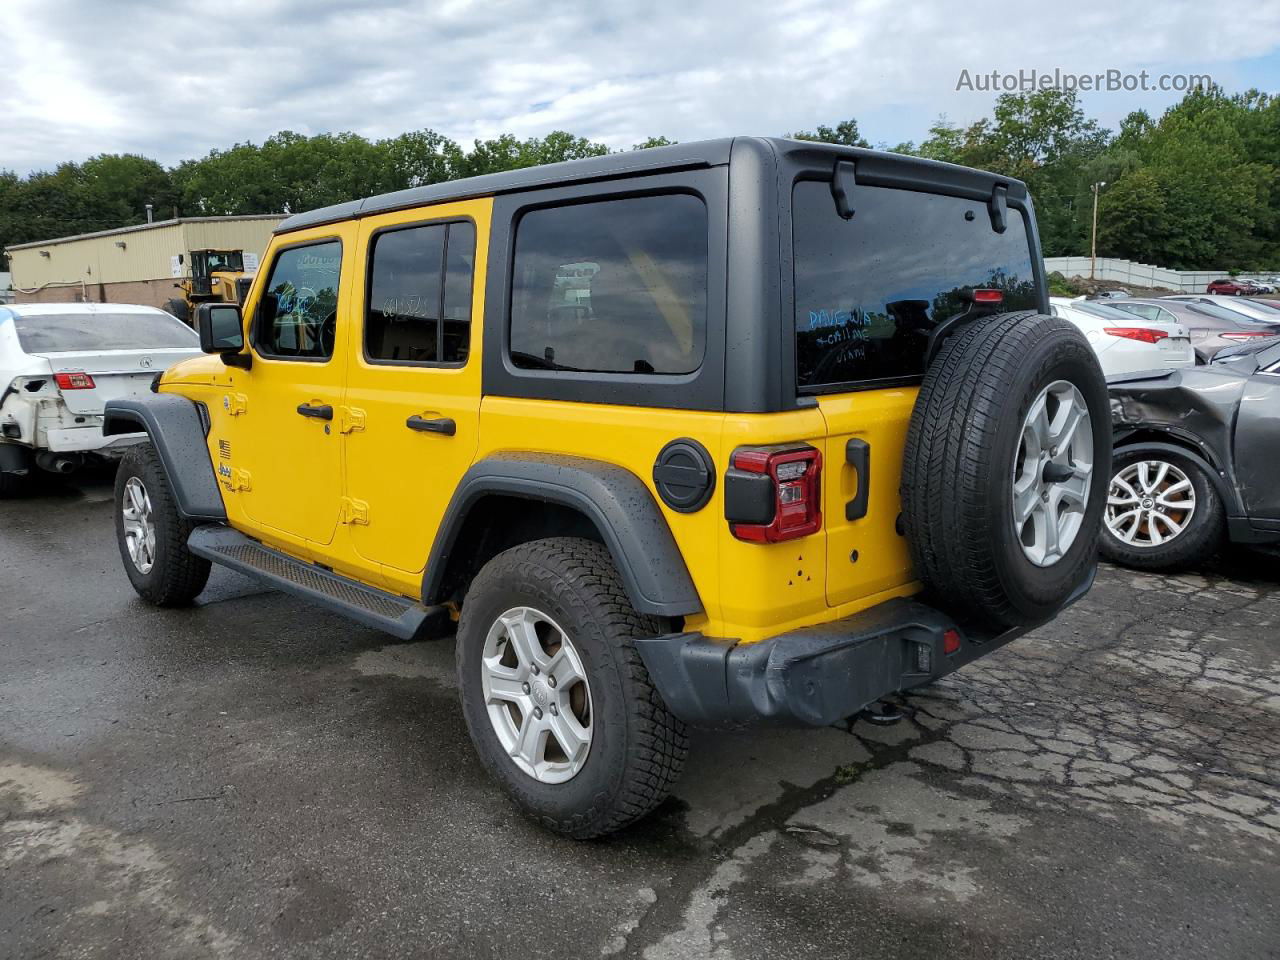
173, 80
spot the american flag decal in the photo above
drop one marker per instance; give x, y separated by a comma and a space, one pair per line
224, 449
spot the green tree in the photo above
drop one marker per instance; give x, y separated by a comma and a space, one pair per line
508, 153
116, 188
1133, 219
845, 132
654, 142
1208, 162
419, 158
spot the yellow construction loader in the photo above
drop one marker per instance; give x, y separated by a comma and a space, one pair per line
216, 276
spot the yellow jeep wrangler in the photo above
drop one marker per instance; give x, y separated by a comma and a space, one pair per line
744, 431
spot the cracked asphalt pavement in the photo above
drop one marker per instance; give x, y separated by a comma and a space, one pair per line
255, 778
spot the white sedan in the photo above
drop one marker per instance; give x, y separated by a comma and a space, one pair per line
59, 364
1124, 342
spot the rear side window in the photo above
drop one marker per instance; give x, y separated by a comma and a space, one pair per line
298, 314
419, 303
868, 290
1219, 313
613, 286
1143, 310
70, 332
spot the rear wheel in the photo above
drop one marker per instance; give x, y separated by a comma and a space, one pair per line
152, 534
559, 705
1003, 476
1163, 512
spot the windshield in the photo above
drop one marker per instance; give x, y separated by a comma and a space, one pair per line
1224, 313
87, 332
870, 289
1266, 305
205, 262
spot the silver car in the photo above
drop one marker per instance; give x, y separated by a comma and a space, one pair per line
59, 364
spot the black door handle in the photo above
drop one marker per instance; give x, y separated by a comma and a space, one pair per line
321, 411
444, 425
857, 453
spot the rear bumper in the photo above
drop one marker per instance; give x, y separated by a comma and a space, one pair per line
817, 675
89, 440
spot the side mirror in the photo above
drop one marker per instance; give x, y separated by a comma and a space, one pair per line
221, 329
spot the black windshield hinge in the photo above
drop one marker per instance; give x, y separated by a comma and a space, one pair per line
842, 184
998, 207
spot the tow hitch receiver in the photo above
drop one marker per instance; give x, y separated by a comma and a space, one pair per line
882, 714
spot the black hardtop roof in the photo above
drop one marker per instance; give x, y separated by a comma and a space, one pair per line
681, 156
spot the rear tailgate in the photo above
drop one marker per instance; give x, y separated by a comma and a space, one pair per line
115, 373
871, 284
1176, 349
866, 432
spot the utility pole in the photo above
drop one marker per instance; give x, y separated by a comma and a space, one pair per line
1093, 244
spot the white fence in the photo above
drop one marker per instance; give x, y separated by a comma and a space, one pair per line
1137, 274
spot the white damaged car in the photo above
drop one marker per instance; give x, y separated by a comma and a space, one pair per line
59, 364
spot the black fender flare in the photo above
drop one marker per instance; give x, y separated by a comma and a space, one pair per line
613, 498
177, 431
1218, 476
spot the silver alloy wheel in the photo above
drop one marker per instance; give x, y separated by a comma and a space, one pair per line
1052, 473
139, 525
536, 694
1150, 502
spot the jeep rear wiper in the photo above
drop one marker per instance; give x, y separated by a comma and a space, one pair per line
523, 359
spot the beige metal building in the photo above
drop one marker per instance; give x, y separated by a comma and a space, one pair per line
138, 264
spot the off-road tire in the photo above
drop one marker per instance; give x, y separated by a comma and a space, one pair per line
179, 309
638, 747
958, 464
1203, 535
177, 575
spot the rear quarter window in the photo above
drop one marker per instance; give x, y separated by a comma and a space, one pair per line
88, 332
612, 286
869, 290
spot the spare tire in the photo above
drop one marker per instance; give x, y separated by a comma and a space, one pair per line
1005, 470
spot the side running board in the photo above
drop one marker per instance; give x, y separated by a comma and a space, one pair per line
395, 615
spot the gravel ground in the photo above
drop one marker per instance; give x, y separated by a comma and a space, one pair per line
255, 778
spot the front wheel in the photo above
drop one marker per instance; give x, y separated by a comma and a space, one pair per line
1163, 512
152, 534
558, 703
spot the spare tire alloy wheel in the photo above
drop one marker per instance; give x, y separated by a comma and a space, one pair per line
1053, 473
536, 694
1000, 508
138, 525
1150, 503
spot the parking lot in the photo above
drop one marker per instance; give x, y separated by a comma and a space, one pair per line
255, 778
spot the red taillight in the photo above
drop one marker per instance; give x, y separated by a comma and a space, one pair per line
1145, 334
74, 381
796, 475
1244, 336
987, 296
951, 641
